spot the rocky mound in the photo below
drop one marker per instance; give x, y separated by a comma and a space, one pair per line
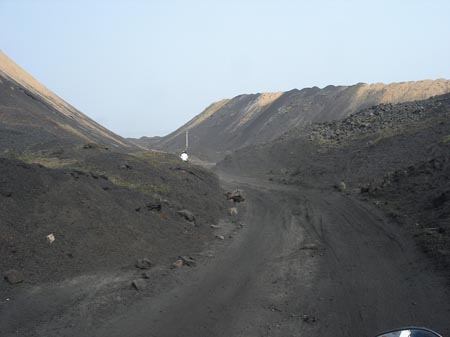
251, 119
104, 212
395, 155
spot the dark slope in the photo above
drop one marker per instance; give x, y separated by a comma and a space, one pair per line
99, 212
395, 155
62, 173
34, 118
251, 119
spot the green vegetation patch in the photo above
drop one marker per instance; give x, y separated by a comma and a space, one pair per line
49, 162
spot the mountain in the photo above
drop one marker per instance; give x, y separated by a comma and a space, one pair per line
32, 117
230, 124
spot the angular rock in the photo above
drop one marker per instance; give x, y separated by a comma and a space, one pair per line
51, 238
309, 319
177, 264
341, 187
13, 276
220, 237
89, 146
154, 206
188, 215
6, 194
143, 263
138, 284
188, 261
310, 246
233, 211
236, 195
125, 166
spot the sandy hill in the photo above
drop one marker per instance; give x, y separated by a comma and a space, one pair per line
250, 119
32, 117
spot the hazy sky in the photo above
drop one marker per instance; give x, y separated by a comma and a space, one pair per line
147, 67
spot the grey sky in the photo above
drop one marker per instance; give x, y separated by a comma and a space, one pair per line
146, 67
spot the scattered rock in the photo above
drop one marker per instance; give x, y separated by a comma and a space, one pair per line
341, 187
125, 166
13, 276
365, 189
274, 309
310, 246
188, 261
138, 284
50, 238
143, 263
6, 194
233, 211
236, 195
309, 319
220, 237
89, 146
441, 199
215, 226
177, 264
154, 206
188, 215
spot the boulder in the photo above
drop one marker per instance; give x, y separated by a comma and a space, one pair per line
138, 284
143, 263
13, 276
236, 195
188, 215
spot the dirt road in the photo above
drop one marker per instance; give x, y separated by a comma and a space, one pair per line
307, 263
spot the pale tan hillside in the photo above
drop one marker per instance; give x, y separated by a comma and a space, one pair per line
24, 101
245, 120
